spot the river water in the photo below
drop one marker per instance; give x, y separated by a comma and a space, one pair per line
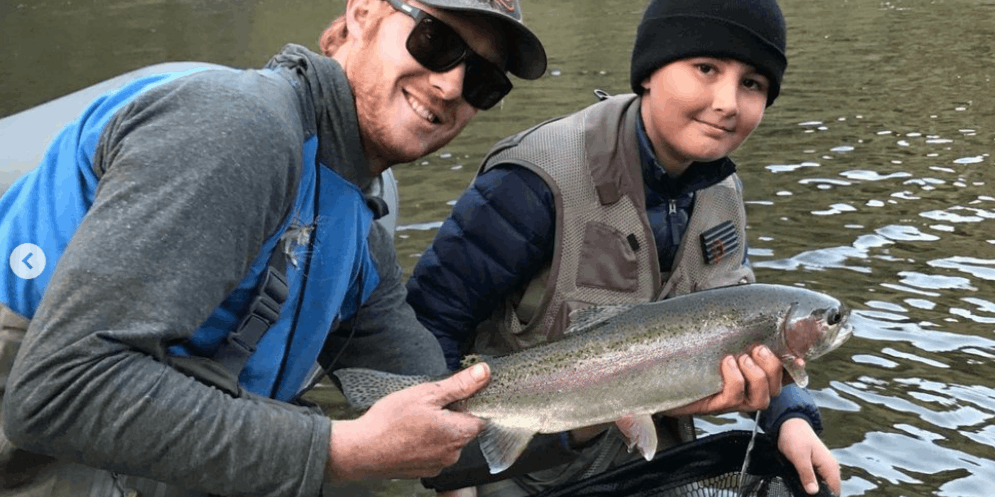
870, 179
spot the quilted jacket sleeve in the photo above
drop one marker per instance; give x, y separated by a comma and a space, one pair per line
499, 234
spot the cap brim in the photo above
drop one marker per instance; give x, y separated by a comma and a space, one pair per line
527, 56
528, 59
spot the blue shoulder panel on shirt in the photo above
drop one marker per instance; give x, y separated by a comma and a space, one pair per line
43, 208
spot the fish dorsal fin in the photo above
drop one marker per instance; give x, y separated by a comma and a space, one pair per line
363, 387
501, 445
471, 359
591, 317
639, 432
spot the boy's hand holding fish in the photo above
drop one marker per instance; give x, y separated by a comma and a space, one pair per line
748, 383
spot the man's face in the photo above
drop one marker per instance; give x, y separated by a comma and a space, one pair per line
701, 109
406, 111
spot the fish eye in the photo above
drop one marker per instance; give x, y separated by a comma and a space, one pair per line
835, 316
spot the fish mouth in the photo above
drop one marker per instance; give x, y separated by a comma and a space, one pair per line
843, 334
840, 330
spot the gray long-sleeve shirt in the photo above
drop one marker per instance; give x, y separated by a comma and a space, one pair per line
194, 175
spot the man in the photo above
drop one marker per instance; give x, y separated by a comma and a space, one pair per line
617, 203
190, 242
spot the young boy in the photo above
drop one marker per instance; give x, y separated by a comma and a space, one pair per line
629, 200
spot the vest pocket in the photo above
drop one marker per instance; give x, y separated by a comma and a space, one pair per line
607, 260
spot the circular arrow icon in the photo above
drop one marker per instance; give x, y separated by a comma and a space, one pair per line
27, 261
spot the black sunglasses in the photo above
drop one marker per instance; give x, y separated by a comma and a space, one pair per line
439, 48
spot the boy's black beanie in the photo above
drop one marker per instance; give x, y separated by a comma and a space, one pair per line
751, 31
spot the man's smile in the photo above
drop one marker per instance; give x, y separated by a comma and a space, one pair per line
421, 110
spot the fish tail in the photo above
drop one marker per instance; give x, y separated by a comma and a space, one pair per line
364, 387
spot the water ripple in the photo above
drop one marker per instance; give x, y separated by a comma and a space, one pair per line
784, 168
834, 257
905, 234
873, 175
970, 265
951, 217
835, 209
421, 226
893, 456
889, 327
969, 160
935, 281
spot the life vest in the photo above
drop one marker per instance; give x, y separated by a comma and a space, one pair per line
44, 208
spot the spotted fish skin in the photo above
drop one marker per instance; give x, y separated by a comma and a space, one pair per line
631, 361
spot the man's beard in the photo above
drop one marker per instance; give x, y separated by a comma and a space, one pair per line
377, 130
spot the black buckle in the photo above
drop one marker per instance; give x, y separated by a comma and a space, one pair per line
263, 311
275, 286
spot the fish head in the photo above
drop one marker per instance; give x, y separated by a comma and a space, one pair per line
815, 326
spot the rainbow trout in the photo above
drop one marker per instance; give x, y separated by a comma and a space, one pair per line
623, 363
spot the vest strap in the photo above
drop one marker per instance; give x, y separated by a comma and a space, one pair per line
271, 293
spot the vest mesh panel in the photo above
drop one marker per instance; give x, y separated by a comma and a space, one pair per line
544, 148
692, 274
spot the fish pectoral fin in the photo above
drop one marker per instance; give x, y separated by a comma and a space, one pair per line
502, 445
640, 432
797, 372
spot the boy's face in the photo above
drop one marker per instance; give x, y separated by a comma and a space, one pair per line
700, 109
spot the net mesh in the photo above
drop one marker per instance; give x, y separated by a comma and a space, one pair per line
708, 467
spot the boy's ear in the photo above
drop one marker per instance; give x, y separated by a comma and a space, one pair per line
645, 84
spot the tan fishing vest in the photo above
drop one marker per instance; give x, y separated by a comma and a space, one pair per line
605, 251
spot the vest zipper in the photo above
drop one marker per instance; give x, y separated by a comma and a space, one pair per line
672, 222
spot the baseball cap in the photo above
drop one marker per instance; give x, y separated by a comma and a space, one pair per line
527, 57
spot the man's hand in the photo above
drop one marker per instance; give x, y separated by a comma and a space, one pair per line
803, 448
408, 434
748, 383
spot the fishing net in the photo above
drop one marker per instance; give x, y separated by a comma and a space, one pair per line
707, 467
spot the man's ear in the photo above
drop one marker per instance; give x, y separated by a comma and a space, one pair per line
357, 16
333, 37
646, 84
